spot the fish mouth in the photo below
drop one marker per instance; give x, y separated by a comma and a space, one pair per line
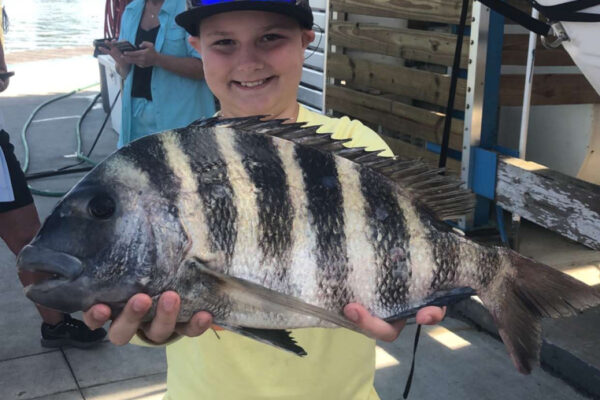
54, 270
60, 266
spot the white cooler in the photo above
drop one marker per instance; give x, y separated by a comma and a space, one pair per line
111, 86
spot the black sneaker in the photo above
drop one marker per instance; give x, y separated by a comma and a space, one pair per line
71, 331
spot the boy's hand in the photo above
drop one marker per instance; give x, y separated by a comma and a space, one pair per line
159, 330
381, 330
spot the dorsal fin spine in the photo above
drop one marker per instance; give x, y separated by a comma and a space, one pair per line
443, 196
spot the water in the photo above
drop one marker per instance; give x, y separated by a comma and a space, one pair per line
43, 24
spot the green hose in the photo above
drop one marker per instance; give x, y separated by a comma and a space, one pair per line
79, 155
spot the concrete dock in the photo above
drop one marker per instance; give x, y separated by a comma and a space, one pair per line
458, 359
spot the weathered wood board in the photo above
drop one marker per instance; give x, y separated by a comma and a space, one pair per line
417, 84
411, 44
548, 198
549, 89
393, 115
445, 11
515, 50
403, 149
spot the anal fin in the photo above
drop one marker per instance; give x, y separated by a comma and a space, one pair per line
438, 299
279, 338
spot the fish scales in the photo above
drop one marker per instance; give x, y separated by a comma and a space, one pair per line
268, 226
268, 178
208, 169
360, 249
389, 236
302, 270
325, 208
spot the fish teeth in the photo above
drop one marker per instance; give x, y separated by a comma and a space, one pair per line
253, 84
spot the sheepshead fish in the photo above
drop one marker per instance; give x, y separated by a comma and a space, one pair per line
272, 226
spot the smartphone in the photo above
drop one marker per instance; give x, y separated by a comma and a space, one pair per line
125, 46
101, 43
5, 75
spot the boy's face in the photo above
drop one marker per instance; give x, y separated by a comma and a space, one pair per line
253, 61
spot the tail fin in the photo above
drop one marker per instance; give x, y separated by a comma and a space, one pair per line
520, 298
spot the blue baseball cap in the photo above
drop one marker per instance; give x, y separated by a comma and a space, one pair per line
199, 9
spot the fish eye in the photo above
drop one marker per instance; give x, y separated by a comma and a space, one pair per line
102, 206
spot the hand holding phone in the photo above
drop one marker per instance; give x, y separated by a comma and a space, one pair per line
5, 75
125, 46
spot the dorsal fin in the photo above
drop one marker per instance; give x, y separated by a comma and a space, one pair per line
442, 195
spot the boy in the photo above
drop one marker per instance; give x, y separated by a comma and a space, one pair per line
253, 53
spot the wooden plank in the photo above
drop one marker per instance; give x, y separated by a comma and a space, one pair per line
411, 44
550, 89
394, 115
318, 4
407, 150
445, 11
515, 47
311, 97
319, 42
416, 84
314, 59
312, 78
319, 18
548, 198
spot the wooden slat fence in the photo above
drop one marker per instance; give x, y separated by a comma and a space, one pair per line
396, 78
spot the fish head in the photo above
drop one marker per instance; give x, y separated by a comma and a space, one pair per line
113, 235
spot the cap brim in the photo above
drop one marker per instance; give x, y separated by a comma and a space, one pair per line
190, 19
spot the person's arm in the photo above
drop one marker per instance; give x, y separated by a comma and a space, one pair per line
188, 67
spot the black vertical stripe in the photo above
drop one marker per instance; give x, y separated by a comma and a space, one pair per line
390, 239
275, 212
446, 255
215, 191
326, 214
149, 155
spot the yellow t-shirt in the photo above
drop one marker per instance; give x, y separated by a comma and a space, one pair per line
340, 364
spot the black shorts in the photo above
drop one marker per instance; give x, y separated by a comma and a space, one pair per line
17, 178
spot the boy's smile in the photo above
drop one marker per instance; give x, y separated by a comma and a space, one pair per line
253, 62
254, 84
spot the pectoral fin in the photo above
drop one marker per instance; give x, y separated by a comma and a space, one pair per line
269, 300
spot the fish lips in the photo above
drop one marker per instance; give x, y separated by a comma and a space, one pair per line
58, 291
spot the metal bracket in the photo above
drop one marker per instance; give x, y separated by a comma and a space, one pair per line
560, 35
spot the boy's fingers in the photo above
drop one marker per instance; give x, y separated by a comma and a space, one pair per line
430, 315
127, 323
96, 316
163, 323
375, 327
199, 323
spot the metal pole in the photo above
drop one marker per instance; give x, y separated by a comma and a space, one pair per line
475, 92
516, 218
527, 90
